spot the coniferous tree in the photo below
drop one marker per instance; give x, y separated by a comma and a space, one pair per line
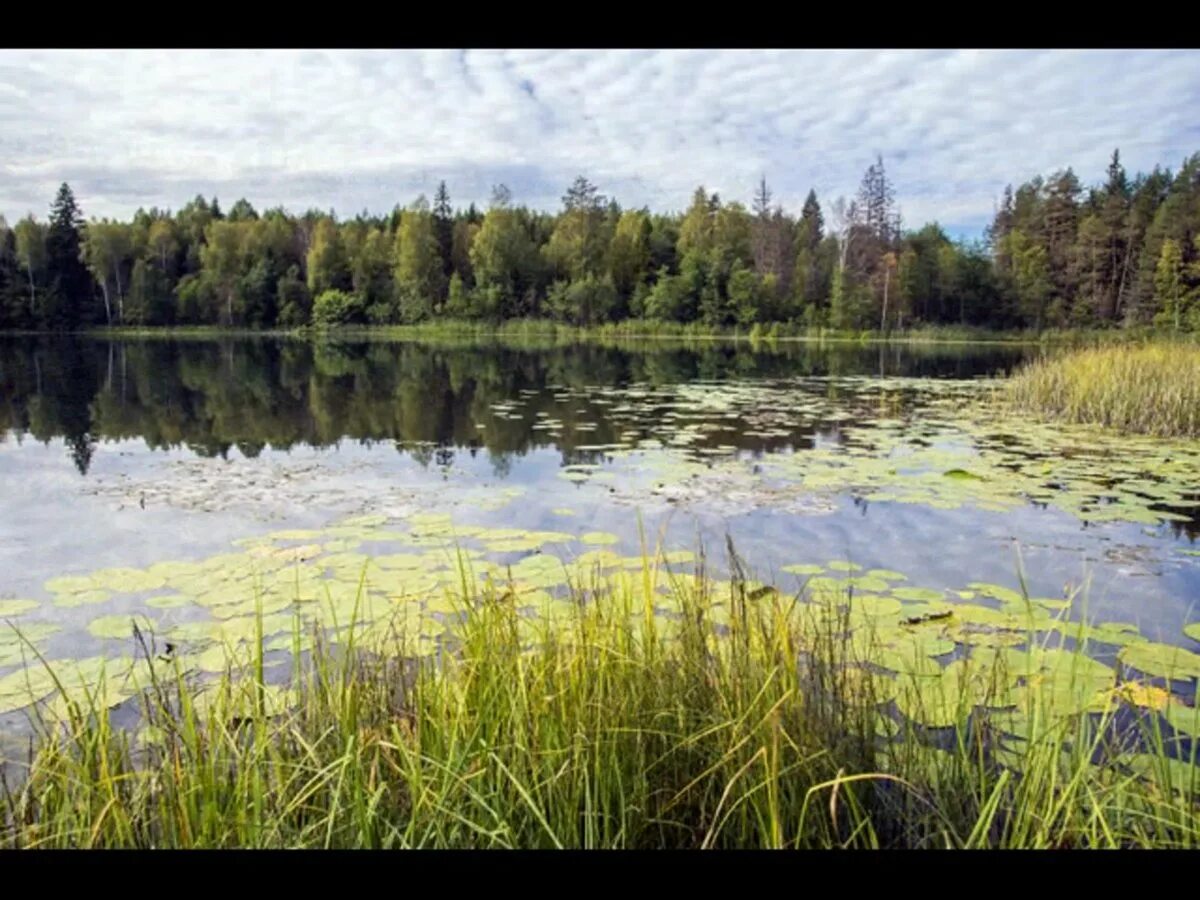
443, 218
69, 291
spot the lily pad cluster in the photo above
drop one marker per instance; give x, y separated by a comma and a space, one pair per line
388, 577
934, 442
990, 646
792, 445
404, 584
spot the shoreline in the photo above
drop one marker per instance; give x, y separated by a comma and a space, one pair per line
518, 329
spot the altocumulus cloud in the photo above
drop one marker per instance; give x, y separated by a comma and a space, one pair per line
361, 130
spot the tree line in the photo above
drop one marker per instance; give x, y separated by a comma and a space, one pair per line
1125, 252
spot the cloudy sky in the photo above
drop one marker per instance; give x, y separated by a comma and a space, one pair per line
354, 130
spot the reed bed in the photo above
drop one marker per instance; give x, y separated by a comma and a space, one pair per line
1151, 388
605, 729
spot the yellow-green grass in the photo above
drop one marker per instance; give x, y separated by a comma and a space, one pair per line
747, 719
1149, 388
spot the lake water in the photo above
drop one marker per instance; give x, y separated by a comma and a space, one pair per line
119, 455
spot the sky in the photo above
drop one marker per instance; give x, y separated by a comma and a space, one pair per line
364, 130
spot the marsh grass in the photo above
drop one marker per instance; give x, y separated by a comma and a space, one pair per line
747, 720
1151, 388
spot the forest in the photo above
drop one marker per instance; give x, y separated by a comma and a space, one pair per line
1122, 253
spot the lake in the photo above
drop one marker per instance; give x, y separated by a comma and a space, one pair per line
160, 477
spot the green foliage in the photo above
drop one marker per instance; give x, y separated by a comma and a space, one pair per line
335, 307
747, 295
1172, 295
584, 302
580, 238
149, 301
418, 277
711, 735
505, 264
458, 302
669, 299
629, 253
195, 300
295, 302
1056, 256
328, 267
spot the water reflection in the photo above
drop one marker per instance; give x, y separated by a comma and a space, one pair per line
211, 396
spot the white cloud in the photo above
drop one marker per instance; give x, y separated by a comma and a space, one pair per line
367, 129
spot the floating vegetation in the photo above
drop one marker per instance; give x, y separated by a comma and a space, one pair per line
414, 581
944, 444
119, 626
1162, 660
267, 592
485, 693
804, 569
10, 609
599, 537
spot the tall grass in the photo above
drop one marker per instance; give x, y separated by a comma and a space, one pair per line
611, 729
1151, 388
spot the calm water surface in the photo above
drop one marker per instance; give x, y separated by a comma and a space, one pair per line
126, 453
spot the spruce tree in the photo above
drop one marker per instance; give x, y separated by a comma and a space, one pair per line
70, 297
443, 225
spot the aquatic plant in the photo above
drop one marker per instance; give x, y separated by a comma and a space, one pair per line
637, 709
1151, 388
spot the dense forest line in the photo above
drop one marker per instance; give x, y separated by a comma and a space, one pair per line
1126, 252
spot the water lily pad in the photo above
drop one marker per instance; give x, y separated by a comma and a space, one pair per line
1184, 719
1147, 696
70, 584
997, 592
962, 475
513, 545
1162, 660
126, 580
170, 601
936, 700
10, 609
82, 598
120, 626
803, 569
917, 594
170, 571
866, 583
599, 537
297, 534
875, 606
37, 681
